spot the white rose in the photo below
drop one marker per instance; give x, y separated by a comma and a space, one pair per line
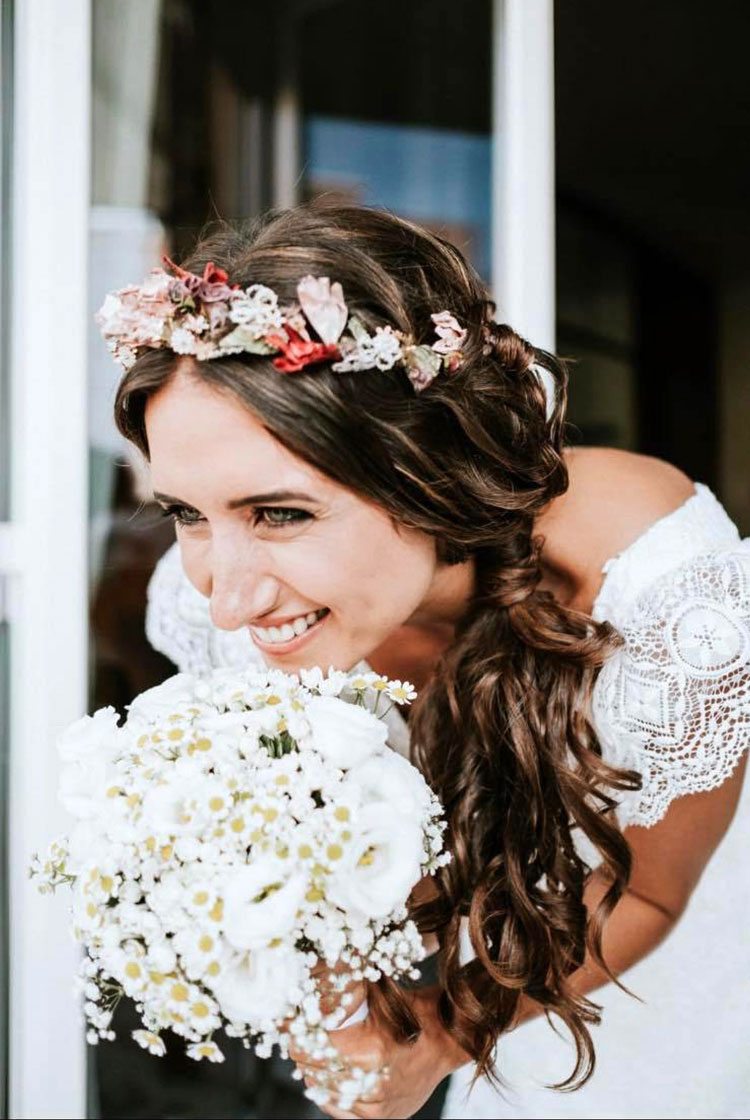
261, 902
88, 735
85, 841
390, 777
178, 807
161, 957
83, 785
163, 698
344, 734
263, 987
381, 864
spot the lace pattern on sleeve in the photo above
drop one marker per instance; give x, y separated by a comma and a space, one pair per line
674, 702
178, 623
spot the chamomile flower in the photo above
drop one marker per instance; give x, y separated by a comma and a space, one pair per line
401, 692
150, 1041
205, 1051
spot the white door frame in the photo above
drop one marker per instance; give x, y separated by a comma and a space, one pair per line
43, 549
523, 167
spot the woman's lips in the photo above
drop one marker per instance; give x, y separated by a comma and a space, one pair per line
292, 644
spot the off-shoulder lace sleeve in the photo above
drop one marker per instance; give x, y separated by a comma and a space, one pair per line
674, 701
178, 623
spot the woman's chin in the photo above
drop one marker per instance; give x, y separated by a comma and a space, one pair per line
322, 657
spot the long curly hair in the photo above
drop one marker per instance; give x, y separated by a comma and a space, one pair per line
503, 730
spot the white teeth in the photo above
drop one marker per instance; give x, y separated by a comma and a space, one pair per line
289, 630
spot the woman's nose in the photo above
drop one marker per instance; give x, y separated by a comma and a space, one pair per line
242, 587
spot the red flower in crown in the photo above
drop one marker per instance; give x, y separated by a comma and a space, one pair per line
299, 352
212, 287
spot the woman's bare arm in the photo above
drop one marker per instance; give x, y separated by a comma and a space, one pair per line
668, 861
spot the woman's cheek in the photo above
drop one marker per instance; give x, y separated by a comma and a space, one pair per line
195, 564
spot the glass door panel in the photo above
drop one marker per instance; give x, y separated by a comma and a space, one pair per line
204, 111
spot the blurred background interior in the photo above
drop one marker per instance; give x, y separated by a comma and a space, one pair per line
206, 109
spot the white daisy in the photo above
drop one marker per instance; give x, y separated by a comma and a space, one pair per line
205, 1050
150, 1041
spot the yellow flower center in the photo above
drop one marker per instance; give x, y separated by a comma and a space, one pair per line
216, 913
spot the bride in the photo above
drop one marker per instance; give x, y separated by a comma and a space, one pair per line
368, 469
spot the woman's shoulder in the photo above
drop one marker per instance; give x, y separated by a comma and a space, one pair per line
613, 498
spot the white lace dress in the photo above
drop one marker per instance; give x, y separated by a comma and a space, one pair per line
673, 703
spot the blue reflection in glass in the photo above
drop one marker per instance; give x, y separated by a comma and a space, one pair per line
435, 176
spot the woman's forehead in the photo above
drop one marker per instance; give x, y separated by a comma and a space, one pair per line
202, 437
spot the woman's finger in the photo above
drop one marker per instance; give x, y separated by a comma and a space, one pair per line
338, 1114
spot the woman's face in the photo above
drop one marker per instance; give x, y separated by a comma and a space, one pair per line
319, 575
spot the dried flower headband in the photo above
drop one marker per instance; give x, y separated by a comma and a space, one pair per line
207, 317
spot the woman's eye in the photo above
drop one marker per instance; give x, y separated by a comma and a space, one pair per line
182, 515
274, 517
277, 516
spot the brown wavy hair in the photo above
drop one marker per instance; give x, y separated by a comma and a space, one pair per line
503, 730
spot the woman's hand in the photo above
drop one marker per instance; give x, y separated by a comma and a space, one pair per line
409, 1071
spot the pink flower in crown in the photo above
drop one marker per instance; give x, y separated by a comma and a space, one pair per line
217, 315
155, 288
128, 320
451, 336
323, 305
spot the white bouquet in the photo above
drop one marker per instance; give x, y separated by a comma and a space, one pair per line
239, 829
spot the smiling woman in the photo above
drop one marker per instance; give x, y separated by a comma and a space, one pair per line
386, 484
269, 567
419, 517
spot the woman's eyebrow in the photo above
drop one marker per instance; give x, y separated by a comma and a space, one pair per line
251, 500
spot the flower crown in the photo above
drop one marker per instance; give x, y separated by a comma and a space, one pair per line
207, 317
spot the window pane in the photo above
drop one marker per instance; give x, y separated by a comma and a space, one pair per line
654, 231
